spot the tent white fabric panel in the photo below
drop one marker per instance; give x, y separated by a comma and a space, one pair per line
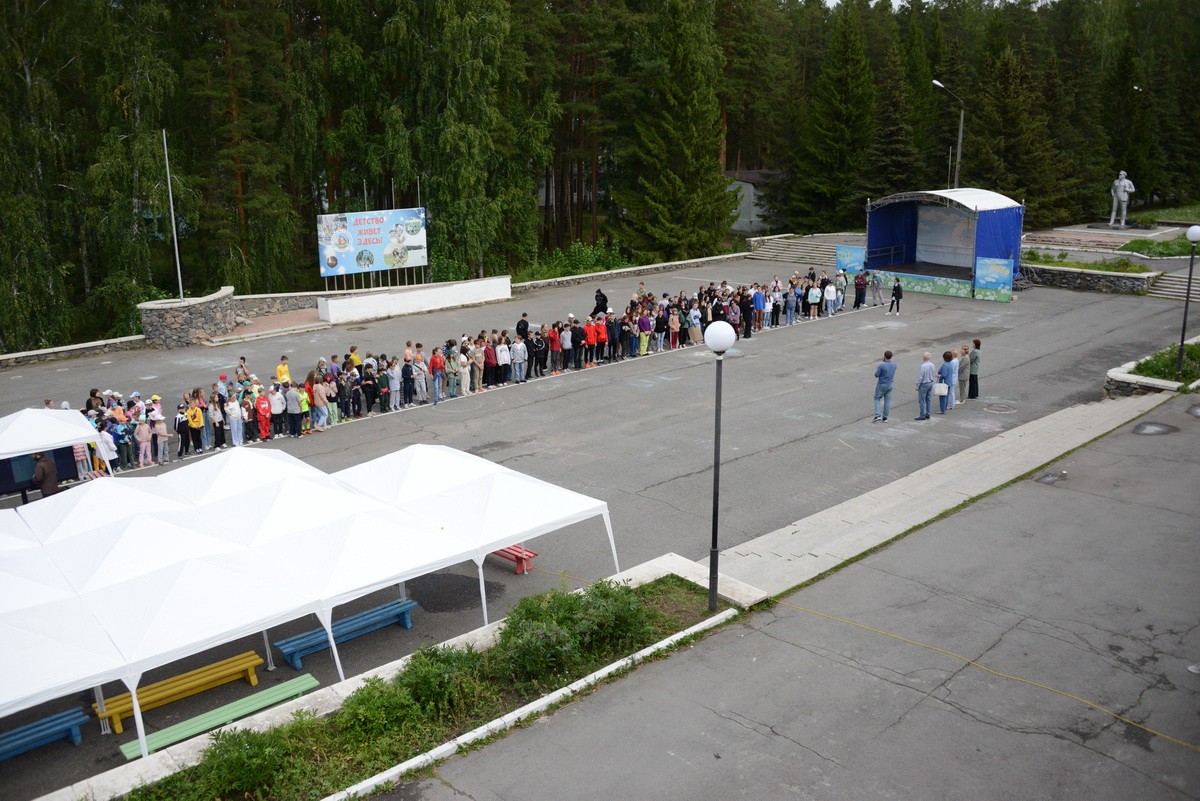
120, 576
33, 430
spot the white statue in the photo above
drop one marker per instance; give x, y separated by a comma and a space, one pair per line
1122, 188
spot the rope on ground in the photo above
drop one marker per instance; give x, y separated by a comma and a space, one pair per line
985, 669
562, 574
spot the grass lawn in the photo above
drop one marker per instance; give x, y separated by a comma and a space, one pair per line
1188, 214
1049, 260
1162, 365
1179, 246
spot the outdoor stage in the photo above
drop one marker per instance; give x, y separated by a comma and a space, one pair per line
932, 270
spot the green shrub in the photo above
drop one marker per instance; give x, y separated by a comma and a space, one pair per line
239, 762
374, 710
575, 259
448, 682
552, 635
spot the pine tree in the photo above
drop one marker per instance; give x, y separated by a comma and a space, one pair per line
891, 163
1010, 149
838, 126
684, 207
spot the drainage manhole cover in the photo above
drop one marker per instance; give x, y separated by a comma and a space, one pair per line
1153, 429
1051, 478
999, 408
357, 328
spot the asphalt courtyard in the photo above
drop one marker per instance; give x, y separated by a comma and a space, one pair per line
1080, 580
797, 437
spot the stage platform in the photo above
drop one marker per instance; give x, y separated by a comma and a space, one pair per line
929, 269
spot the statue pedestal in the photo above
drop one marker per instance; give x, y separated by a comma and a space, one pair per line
1129, 226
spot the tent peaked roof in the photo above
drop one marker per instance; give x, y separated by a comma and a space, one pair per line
967, 198
71, 514
32, 430
234, 472
416, 472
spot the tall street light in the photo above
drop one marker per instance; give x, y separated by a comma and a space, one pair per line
962, 112
1193, 235
719, 337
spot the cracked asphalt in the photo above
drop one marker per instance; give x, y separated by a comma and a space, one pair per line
638, 435
1087, 586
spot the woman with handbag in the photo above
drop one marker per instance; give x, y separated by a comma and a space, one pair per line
942, 387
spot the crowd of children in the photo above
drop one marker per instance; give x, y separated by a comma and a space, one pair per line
241, 408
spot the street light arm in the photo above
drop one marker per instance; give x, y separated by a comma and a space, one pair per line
942, 86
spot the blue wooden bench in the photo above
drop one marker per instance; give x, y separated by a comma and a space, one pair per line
63, 726
293, 688
293, 648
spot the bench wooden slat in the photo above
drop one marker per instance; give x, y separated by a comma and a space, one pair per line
519, 555
310, 642
156, 741
195, 681
60, 726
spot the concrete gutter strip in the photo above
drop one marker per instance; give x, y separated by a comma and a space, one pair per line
511, 719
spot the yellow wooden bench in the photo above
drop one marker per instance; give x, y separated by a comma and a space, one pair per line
196, 681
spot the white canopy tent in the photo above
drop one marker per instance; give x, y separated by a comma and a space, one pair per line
122, 576
471, 499
34, 430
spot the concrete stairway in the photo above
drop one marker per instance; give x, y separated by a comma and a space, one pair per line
1174, 286
797, 250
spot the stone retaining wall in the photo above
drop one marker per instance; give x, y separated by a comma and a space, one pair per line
263, 305
1092, 280
72, 351
175, 323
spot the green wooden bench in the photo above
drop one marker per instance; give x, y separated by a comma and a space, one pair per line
294, 688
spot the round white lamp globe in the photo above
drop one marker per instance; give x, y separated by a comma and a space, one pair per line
1193, 234
720, 336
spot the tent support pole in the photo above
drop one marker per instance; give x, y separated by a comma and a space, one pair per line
403, 591
326, 619
98, 693
267, 647
137, 719
611, 542
482, 592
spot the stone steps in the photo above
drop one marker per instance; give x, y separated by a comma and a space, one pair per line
250, 336
797, 250
1173, 286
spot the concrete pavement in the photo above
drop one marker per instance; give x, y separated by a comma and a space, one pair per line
1080, 579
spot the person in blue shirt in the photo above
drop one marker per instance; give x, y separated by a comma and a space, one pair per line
885, 374
946, 376
760, 307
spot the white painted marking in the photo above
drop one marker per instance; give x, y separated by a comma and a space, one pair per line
109, 362
148, 378
62, 369
14, 377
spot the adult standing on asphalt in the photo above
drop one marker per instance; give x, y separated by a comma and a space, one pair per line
946, 376
292, 398
973, 390
925, 378
964, 367
885, 375
876, 289
897, 296
860, 290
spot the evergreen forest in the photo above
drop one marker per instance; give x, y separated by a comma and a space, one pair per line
526, 127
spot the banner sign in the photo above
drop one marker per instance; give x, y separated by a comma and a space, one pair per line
365, 241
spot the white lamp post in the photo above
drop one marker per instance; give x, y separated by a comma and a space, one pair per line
962, 112
1193, 235
719, 337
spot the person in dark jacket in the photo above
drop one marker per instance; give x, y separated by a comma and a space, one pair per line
897, 296
45, 474
601, 303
